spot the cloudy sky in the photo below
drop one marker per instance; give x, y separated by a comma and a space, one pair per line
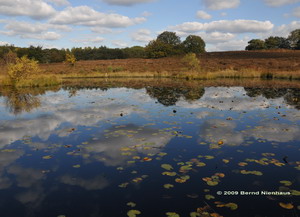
223, 24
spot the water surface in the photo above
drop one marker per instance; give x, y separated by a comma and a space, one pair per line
115, 148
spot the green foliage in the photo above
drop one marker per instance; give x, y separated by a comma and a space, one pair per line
294, 38
22, 68
277, 42
70, 58
191, 61
134, 52
169, 38
157, 49
194, 44
256, 44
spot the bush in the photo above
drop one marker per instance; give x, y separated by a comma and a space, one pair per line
70, 58
22, 68
191, 61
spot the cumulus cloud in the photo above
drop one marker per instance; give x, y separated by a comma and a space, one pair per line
126, 2
89, 40
277, 3
59, 2
119, 43
215, 37
43, 31
2, 43
203, 15
232, 45
229, 26
86, 16
36, 9
221, 4
282, 30
296, 12
142, 35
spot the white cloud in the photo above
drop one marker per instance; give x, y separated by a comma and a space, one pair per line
232, 45
229, 26
89, 40
102, 30
119, 43
146, 14
126, 2
203, 15
35, 9
283, 30
86, 16
97, 183
2, 43
59, 2
296, 12
215, 37
277, 3
33, 30
142, 35
221, 4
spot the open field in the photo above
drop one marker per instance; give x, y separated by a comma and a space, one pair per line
234, 64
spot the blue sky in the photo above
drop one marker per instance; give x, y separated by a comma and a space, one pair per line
223, 24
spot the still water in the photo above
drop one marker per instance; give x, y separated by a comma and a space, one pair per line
151, 149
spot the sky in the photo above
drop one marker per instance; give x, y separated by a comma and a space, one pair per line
223, 24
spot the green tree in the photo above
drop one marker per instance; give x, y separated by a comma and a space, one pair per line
157, 49
169, 38
256, 44
276, 42
194, 44
294, 38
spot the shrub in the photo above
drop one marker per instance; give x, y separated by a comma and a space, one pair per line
70, 58
21, 69
191, 61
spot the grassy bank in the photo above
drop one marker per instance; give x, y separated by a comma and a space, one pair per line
213, 65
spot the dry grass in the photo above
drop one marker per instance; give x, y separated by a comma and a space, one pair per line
279, 64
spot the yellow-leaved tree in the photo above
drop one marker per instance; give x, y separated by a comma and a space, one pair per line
22, 69
71, 59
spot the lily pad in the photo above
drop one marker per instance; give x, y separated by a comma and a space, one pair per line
286, 205
167, 166
172, 214
131, 204
133, 213
168, 186
286, 183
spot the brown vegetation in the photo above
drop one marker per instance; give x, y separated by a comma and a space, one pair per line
268, 64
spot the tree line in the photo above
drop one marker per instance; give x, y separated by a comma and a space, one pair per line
276, 42
166, 44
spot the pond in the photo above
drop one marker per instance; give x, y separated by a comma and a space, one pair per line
150, 148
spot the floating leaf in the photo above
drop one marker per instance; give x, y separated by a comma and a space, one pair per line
195, 214
242, 164
131, 204
232, 206
47, 157
179, 180
286, 183
167, 186
200, 164
209, 197
76, 166
209, 157
225, 161
185, 168
295, 193
221, 175
167, 166
169, 173
286, 205
172, 214
212, 183
147, 159
133, 213
123, 185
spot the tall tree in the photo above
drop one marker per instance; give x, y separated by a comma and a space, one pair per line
169, 38
194, 44
256, 44
294, 37
277, 42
